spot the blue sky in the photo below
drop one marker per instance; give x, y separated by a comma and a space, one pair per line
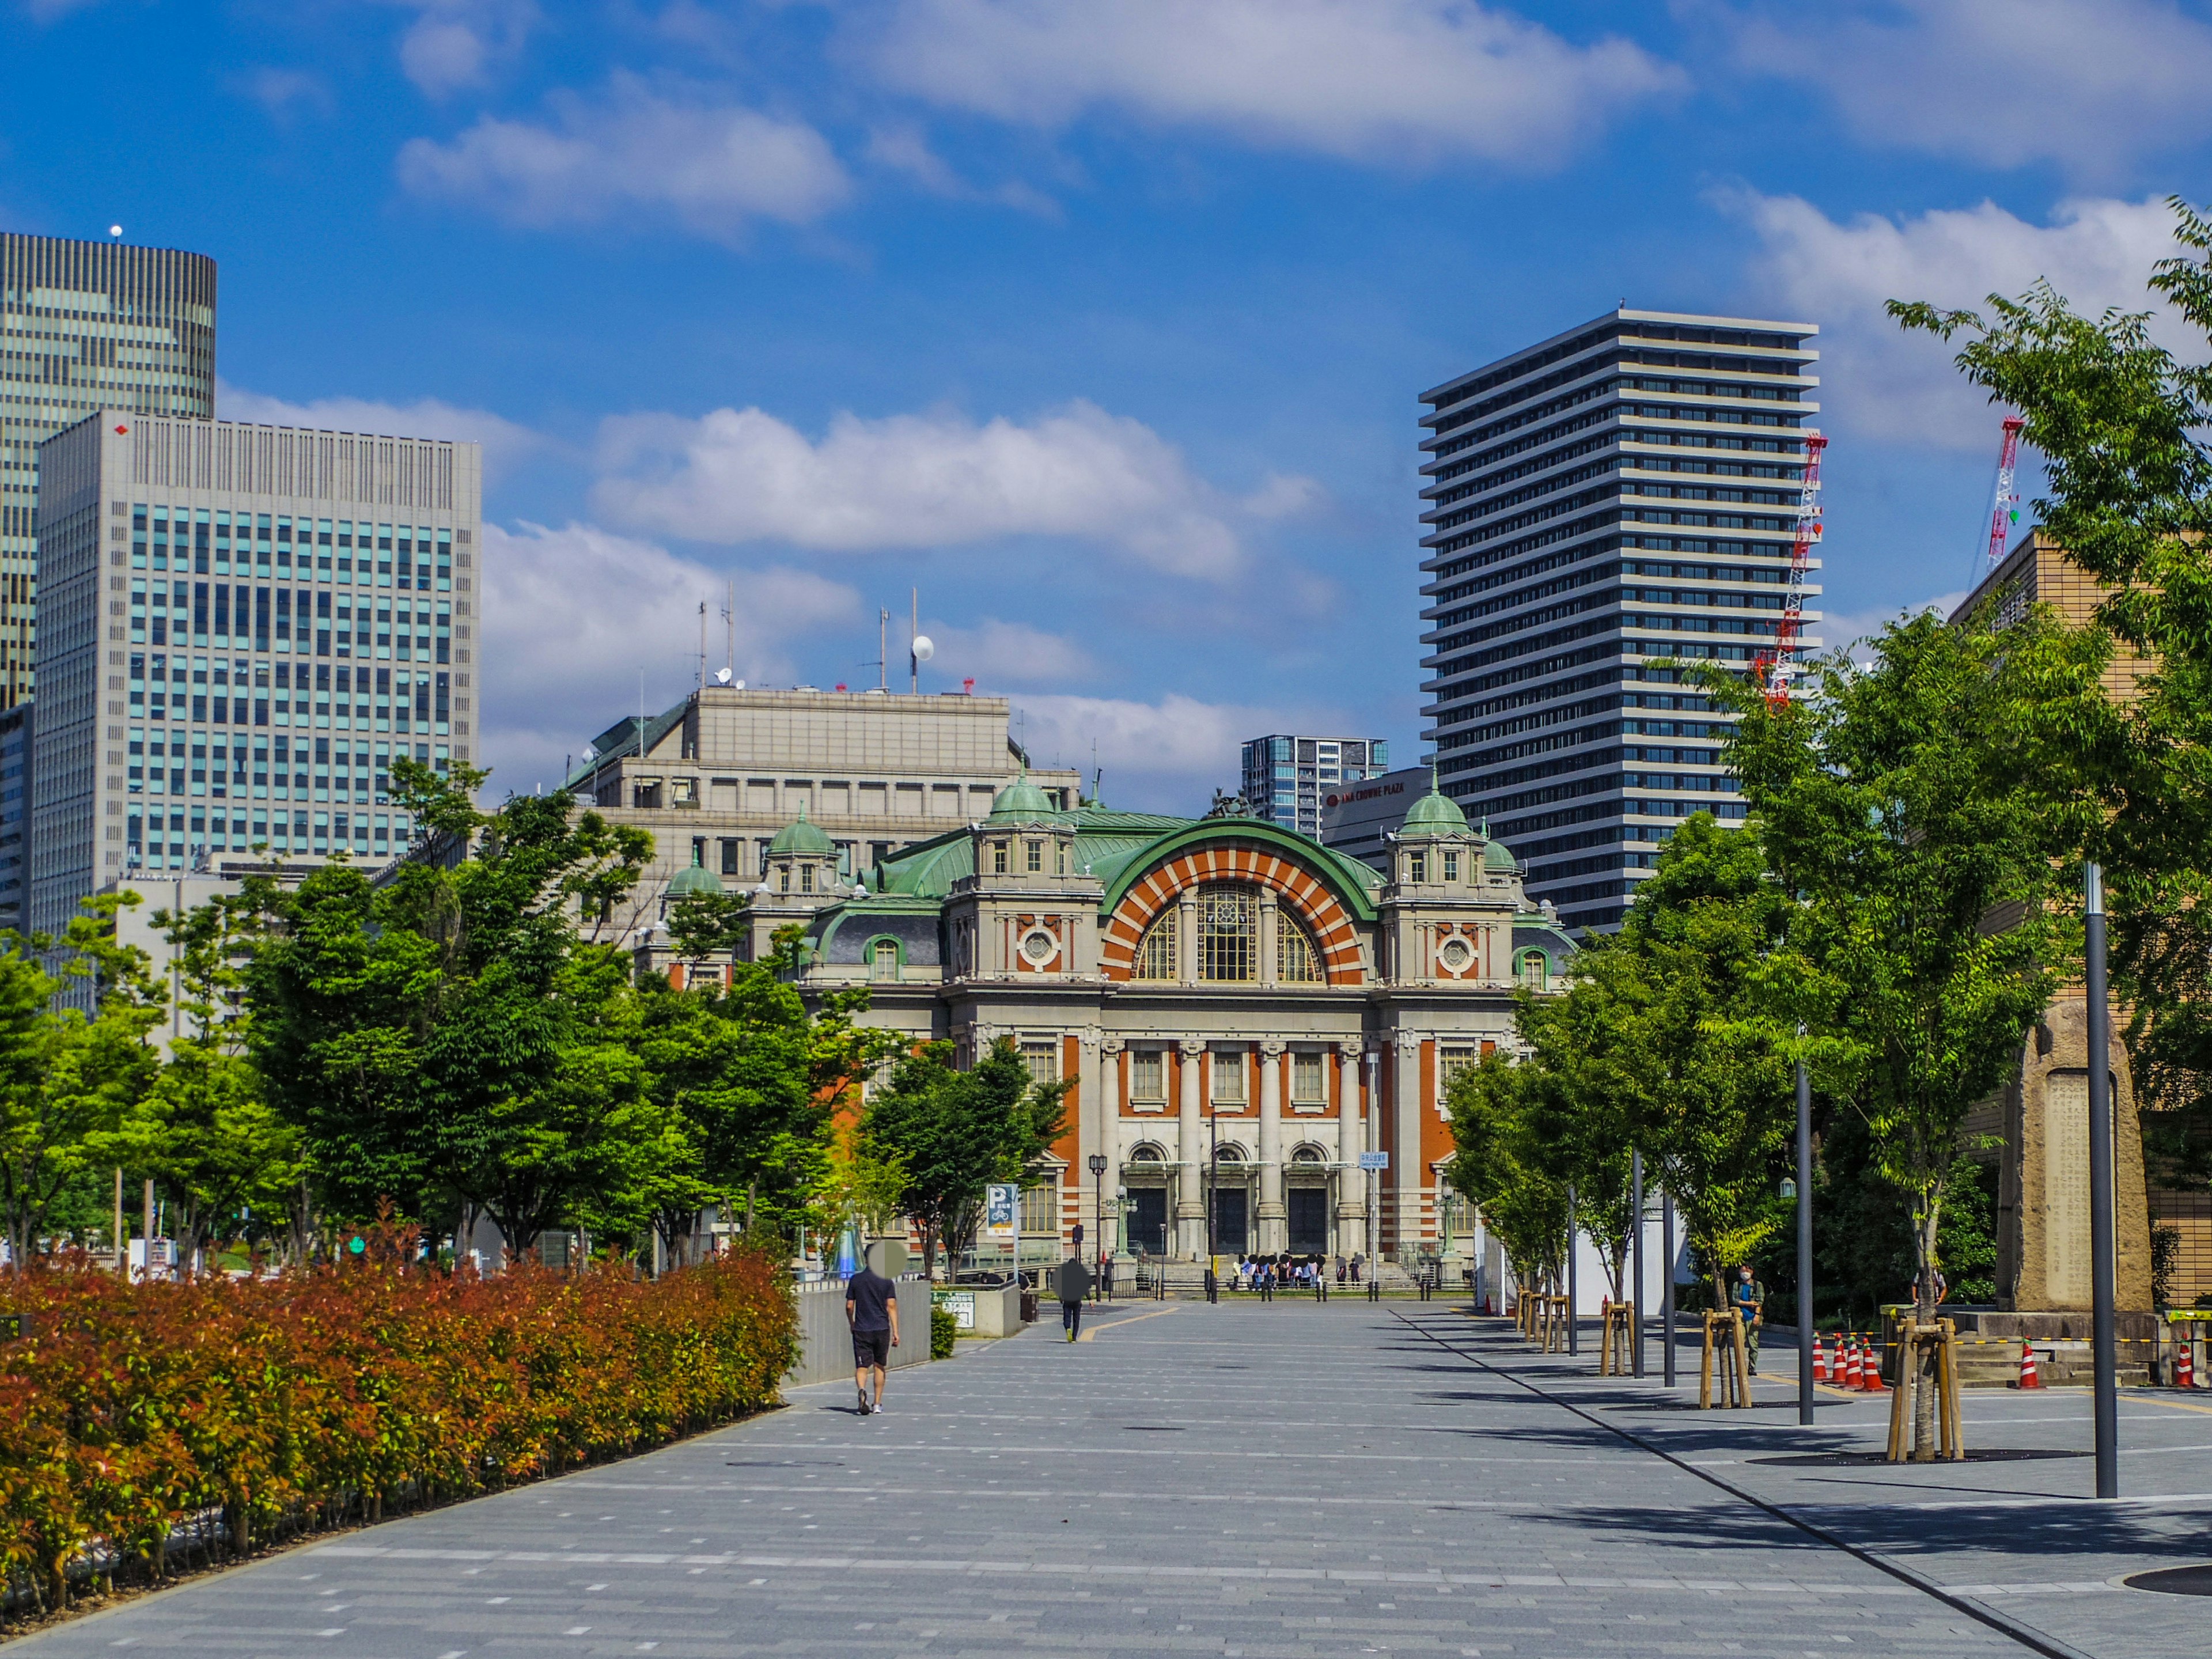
1102, 323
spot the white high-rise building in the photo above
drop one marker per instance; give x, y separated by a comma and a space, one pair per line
1603, 510
239, 627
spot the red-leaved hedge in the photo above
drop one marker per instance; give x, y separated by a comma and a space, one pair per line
284, 1404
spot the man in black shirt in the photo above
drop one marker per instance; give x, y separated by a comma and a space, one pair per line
872, 1309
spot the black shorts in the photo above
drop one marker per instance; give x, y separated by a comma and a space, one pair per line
872, 1348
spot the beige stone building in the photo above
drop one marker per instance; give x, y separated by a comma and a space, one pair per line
2041, 1115
1244, 1013
718, 775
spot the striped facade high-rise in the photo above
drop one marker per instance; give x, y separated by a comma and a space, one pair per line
85, 326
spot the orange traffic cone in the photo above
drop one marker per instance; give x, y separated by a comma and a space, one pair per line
1873, 1383
2184, 1367
1820, 1360
2028, 1378
1855, 1369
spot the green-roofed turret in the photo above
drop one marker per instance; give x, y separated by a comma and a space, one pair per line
804, 839
1022, 802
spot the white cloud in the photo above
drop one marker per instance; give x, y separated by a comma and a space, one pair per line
504, 442
997, 654
904, 149
934, 480
1392, 81
453, 44
2087, 84
1170, 755
715, 167
573, 614
1884, 383
282, 91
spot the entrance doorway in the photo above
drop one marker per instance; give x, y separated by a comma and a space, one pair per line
1148, 1219
1308, 1219
1229, 1235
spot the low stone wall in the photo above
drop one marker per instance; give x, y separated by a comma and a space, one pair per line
981, 1310
825, 1340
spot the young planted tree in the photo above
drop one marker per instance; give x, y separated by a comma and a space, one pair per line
1504, 1167
204, 1129
1700, 1052
2122, 423
66, 1080
1927, 878
955, 1132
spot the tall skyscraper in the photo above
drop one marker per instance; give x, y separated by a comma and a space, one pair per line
1286, 776
1605, 509
85, 326
241, 626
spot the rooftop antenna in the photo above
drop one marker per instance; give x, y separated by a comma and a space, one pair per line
702, 644
883, 648
922, 649
730, 632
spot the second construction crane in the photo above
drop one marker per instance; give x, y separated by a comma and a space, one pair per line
1778, 667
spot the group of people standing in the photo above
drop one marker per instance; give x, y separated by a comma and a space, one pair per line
1267, 1274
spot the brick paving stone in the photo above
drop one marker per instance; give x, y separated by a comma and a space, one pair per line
1279, 1480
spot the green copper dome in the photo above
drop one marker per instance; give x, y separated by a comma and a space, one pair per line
1022, 802
696, 879
1435, 814
803, 838
1496, 856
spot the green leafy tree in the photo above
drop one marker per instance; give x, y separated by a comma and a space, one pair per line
452, 1031
203, 1128
1703, 1053
1501, 1163
1929, 884
2122, 422
954, 1132
67, 1079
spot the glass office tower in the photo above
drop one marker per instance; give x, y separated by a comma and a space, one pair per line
242, 628
1286, 776
85, 326
1605, 510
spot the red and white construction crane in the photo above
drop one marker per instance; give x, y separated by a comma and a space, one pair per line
2004, 513
1776, 666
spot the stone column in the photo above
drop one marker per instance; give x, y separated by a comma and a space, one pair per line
1187, 938
1350, 1182
1190, 1152
1269, 920
1113, 1105
1373, 1141
1275, 1217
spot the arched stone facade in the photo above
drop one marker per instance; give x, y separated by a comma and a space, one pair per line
1150, 896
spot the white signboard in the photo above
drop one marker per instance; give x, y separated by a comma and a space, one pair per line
1375, 1160
961, 1304
1001, 1208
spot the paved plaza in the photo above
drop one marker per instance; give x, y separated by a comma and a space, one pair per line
1289, 1478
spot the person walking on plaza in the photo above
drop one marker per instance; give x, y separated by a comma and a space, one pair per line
872, 1309
1072, 1283
1750, 1298
1106, 1276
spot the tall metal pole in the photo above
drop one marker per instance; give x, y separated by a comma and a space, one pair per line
1804, 1244
2101, 1189
1574, 1300
1667, 1285
1374, 1145
1636, 1243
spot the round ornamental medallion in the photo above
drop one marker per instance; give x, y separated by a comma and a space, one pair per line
1038, 947
1454, 954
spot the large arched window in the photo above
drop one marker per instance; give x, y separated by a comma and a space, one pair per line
1297, 961
1155, 951
1227, 932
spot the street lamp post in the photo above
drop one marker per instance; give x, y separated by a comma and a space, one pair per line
1098, 1220
1804, 1244
1574, 1283
2105, 1352
1213, 1194
1636, 1243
